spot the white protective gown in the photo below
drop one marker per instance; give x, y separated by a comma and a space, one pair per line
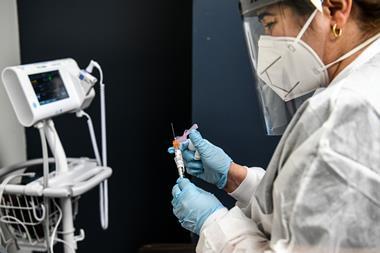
321, 190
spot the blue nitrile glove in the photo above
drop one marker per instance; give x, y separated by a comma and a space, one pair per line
192, 205
214, 164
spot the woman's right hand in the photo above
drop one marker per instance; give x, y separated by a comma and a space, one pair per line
214, 164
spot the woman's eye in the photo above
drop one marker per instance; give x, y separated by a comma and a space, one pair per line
270, 25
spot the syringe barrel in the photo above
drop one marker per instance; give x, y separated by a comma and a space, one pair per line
179, 162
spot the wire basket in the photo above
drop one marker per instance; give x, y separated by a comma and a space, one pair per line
33, 215
26, 219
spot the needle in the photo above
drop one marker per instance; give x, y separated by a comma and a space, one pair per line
173, 130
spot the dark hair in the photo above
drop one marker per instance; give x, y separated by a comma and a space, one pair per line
302, 7
368, 14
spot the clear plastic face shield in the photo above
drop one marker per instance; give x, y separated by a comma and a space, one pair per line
271, 30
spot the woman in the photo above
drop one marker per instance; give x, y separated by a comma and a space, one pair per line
320, 192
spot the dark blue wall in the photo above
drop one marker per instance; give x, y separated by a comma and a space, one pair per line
224, 100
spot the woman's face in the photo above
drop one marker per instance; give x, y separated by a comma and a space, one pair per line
281, 20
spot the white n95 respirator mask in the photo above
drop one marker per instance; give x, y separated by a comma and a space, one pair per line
291, 68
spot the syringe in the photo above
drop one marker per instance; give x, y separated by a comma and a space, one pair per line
177, 142
178, 159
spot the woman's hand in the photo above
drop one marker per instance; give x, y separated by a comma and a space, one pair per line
192, 205
213, 164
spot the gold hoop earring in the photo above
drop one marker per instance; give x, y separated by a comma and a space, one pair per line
337, 32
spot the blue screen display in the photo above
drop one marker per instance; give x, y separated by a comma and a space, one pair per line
48, 87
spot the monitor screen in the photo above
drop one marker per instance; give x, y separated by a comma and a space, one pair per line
48, 87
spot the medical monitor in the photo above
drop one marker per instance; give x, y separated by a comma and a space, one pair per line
43, 90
